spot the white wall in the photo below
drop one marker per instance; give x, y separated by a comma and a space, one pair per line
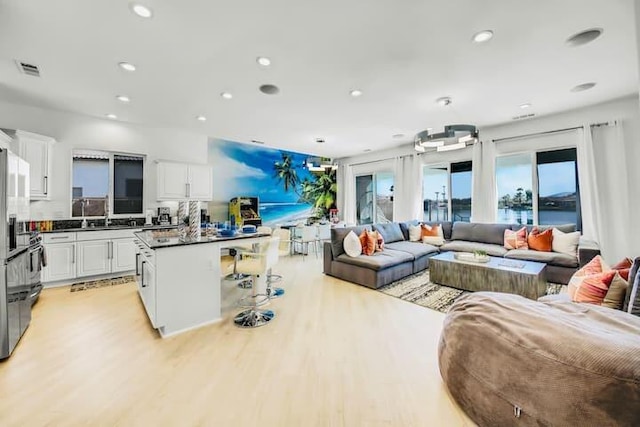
78, 131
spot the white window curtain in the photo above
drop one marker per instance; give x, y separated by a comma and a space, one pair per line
346, 194
407, 189
483, 201
602, 175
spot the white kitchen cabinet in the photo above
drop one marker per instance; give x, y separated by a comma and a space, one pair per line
123, 255
61, 262
23, 191
36, 150
181, 181
147, 288
93, 258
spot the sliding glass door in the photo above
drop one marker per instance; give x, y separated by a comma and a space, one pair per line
446, 192
374, 198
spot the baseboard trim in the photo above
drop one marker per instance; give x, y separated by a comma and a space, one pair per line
190, 328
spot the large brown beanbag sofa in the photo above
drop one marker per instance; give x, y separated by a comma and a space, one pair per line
508, 360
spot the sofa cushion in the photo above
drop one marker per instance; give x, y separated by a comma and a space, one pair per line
552, 258
390, 232
477, 232
416, 249
565, 228
464, 246
379, 260
338, 235
632, 299
446, 227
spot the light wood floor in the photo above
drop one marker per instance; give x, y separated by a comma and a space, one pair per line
337, 354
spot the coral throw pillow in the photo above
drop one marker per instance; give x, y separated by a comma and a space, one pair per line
623, 268
368, 242
432, 234
594, 288
516, 239
379, 242
595, 266
540, 241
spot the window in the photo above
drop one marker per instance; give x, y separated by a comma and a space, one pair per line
446, 192
554, 199
106, 183
374, 198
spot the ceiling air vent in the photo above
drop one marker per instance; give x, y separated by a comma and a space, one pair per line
524, 116
28, 69
255, 141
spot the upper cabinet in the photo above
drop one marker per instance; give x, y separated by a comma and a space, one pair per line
181, 181
36, 150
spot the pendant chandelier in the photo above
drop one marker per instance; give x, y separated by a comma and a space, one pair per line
454, 137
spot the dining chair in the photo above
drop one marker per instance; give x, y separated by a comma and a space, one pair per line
305, 235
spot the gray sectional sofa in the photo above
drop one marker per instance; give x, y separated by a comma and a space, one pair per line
402, 258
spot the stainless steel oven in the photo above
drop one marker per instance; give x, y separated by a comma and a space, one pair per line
36, 254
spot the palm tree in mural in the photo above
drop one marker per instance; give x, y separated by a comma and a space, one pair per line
321, 192
285, 172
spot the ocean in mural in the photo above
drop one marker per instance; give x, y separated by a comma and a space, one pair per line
247, 170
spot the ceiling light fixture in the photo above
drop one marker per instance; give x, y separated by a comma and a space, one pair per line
444, 101
263, 61
483, 36
525, 106
226, 95
454, 137
141, 10
111, 116
355, 93
123, 98
201, 118
584, 37
127, 66
269, 89
583, 87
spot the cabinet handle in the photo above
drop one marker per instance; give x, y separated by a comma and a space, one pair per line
110, 250
142, 272
73, 254
137, 270
60, 238
46, 184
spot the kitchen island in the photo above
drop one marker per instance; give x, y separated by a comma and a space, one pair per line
179, 279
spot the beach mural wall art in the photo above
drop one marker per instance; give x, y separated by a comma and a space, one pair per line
287, 190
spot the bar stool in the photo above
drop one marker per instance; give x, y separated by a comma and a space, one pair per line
257, 264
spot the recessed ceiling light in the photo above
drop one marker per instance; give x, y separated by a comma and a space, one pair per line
270, 89
123, 98
141, 10
483, 36
127, 66
263, 60
583, 87
226, 95
320, 140
444, 101
201, 118
111, 116
355, 93
525, 106
398, 135
584, 37
429, 129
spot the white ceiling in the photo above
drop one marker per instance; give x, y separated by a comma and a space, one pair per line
403, 54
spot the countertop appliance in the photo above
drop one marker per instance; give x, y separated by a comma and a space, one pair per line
164, 216
15, 289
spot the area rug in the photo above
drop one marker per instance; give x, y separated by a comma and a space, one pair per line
418, 289
93, 284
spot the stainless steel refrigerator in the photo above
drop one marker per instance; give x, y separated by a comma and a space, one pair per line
15, 288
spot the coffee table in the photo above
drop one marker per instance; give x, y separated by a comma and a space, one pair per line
514, 276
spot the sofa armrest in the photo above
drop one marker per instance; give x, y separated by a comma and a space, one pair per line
327, 257
587, 250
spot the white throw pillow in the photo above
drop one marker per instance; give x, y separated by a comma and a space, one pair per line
565, 243
352, 245
415, 233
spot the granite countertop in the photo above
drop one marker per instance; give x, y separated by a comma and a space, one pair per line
112, 227
166, 242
